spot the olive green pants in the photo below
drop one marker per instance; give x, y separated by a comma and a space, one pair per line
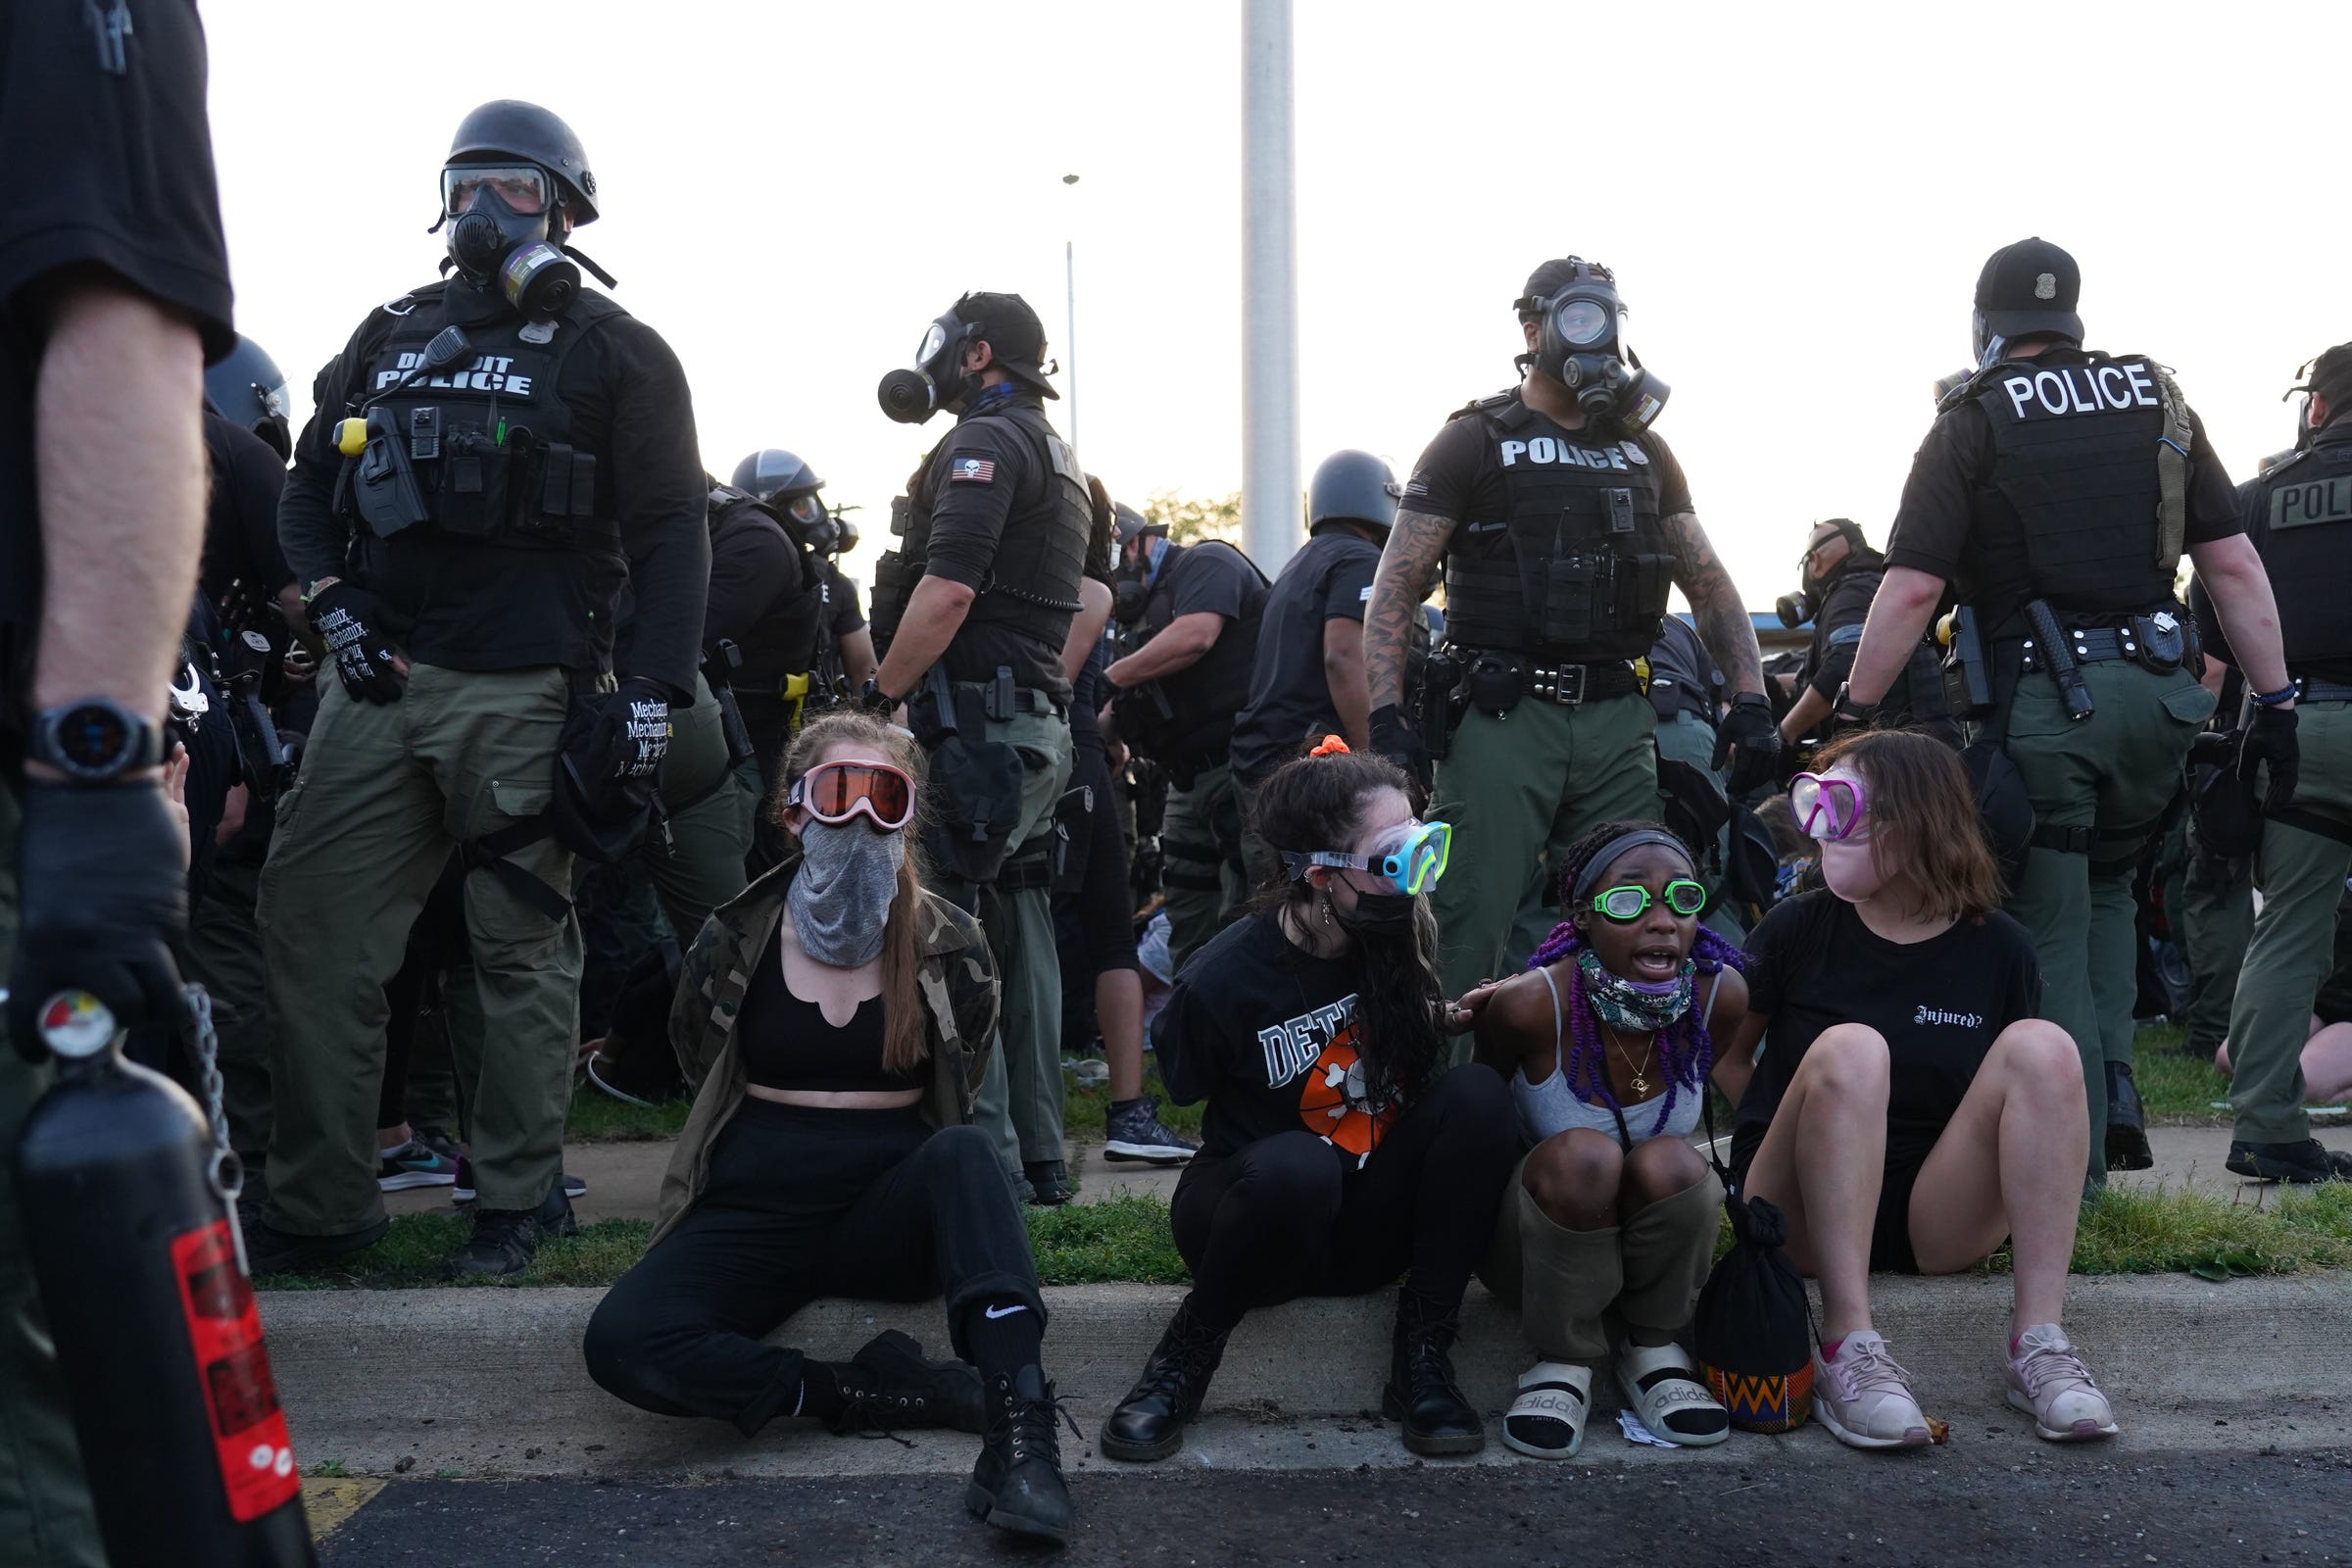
2301, 875
2114, 773
1019, 1104
45, 1515
2213, 921
224, 955
386, 794
1519, 790
1206, 879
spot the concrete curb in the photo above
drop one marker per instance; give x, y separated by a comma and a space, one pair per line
492, 1381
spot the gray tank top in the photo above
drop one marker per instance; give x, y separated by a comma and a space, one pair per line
1549, 1108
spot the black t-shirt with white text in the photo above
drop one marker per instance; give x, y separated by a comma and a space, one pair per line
1940, 1004
1290, 697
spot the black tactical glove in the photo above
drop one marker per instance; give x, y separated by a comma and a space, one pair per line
629, 735
104, 877
2271, 738
1751, 740
1400, 741
349, 620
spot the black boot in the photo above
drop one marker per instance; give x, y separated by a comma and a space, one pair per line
506, 1240
1421, 1390
1049, 1184
1149, 1423
1017, 1484
888, 1386
2127, 1123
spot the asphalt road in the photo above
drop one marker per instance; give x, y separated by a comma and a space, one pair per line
1942, 1506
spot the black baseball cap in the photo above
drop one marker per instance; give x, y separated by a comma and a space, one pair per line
2331, 376
1014, 335
2029, 287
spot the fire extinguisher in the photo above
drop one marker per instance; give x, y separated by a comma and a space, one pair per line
129, 1206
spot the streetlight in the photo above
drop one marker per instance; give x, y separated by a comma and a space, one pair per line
1069, 341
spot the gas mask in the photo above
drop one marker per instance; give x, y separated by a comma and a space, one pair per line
1795, 608
1131, 585
498, 227
824, 532
1581, 344
937, 378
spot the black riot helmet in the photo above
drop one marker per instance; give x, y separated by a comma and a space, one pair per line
1580, 343
1352, 486
248, 389
510, 167
2028, 288
1016, 341
509, 128
776, 472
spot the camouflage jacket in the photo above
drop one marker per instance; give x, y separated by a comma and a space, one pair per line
957, 979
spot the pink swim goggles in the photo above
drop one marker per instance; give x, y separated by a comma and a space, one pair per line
1830, 808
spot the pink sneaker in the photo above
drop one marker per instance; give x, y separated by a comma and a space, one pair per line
1864, 1398
2048, 1381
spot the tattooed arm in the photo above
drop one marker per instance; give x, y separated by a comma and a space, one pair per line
1715, 607
1408, 571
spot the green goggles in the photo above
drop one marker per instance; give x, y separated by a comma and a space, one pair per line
1628, 904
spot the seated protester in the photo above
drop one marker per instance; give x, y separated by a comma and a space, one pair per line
1338, 1153
1910, 1111
1606, 1044
830, 1151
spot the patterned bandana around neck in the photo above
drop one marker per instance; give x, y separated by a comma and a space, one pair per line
1634, 1006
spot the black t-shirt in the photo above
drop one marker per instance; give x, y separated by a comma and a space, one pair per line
465, 604
104, 170
1838, 626
970, 502
1937, 529
1461, 472
846, 613
240, 525
1939, 1003
1290, 698
1265, 1032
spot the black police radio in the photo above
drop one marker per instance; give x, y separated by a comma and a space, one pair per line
1581, 344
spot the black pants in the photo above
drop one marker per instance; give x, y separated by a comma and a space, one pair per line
1292, 1215
804, 1204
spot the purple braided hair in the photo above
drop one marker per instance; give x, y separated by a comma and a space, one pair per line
1684, 1053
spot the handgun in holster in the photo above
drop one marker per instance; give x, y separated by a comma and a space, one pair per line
2054, 654
383, 484
1440, 681
718, 672
1967, 666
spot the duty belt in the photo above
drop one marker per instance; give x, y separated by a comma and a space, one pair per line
1574, 685
2093, 644
1001, 703
2323, 691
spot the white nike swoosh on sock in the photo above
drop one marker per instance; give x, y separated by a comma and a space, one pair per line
994, 1312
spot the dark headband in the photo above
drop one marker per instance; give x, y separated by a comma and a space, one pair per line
1606, 856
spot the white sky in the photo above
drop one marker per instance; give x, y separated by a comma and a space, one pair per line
1797, 199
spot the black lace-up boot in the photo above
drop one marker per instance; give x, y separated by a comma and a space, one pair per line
1149, 1423
1421, 1390
1017, 1484
888, 1387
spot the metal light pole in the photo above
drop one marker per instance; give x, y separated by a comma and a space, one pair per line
1270, 484
1069, 341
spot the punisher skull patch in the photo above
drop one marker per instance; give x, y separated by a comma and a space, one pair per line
972, 470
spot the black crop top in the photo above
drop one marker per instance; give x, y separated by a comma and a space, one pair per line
788, 1043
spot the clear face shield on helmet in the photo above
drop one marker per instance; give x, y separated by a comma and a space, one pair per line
500, 217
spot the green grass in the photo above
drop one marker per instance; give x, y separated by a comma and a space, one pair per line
597, 1116
2272, 1231
1083, 1109
2178, 1089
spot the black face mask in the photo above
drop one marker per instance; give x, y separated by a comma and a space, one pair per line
1580, 343
496, 246
1379, 914
937, 378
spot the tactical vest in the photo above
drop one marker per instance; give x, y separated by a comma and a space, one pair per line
1579, 566
2074, 462
785, 640
489, 440
1205, 696
1032, 584
2302, 524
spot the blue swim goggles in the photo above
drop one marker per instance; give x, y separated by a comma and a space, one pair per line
1410, 855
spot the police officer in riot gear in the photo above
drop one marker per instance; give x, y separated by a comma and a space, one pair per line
2299, 515
492, 456
2056, 492
971, 613
1561, 520
1839, 575
249, 390
1189, 618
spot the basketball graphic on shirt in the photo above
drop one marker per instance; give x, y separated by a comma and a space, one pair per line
1333, 1105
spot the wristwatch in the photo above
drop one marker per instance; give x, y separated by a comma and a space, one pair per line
872, 699
95, 741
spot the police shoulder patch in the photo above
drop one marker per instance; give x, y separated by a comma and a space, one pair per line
969, 469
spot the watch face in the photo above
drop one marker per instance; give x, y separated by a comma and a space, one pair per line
93, 735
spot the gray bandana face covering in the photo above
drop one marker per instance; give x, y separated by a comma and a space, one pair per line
840, 898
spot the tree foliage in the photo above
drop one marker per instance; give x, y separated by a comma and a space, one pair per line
1193, 518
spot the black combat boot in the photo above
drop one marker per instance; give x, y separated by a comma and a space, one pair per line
2127, 1123
506, 1240
888, 1387
1017, 1484
1421, 1390
1149, 1423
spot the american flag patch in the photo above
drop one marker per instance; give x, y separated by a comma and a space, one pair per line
972, 470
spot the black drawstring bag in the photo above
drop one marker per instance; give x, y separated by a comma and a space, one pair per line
1753, 1330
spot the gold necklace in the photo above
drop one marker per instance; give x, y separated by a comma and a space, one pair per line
1641, 1073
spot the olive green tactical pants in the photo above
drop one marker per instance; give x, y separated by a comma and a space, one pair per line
1519, 790
2301, 875
2115, 769
1019, 1104
2212, 919
386, 794
1207, 880
45, 1518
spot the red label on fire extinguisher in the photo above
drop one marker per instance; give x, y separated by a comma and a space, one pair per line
225, 1328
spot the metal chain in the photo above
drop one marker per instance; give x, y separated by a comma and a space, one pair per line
226, 1173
